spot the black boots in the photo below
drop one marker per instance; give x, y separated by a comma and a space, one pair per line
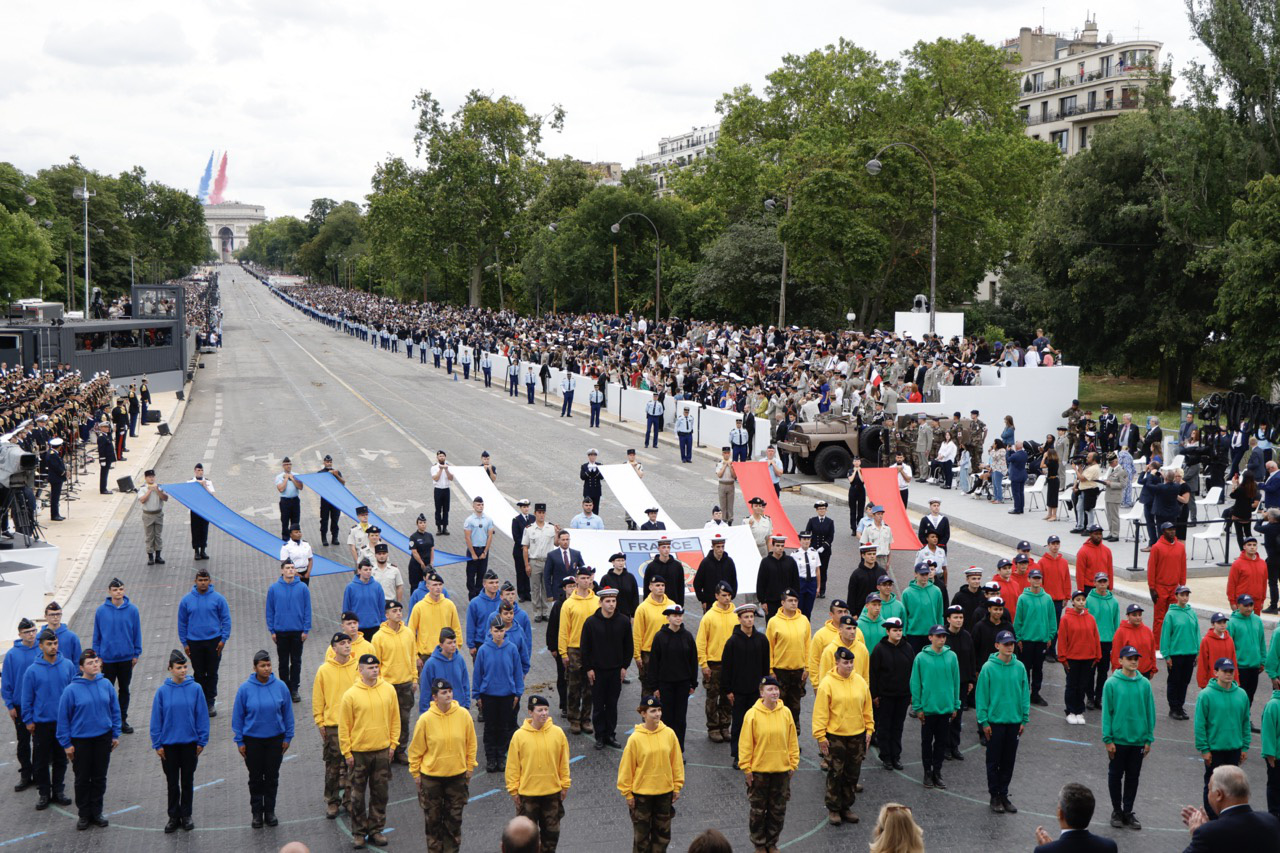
159, 559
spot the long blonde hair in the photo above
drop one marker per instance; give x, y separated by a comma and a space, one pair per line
896, 831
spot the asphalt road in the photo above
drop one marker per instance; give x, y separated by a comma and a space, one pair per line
285, 386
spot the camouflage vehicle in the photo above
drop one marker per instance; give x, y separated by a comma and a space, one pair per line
826, 446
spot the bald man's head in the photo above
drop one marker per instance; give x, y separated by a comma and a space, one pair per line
295, 847
520, 836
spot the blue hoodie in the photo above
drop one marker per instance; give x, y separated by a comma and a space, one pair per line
524, 642
498, 671
366, 601
203, 616
89, 708
69, 645
179, 714
288, 607
117, 631
479, 612
262, 710
452, 670
42, 687
16, 662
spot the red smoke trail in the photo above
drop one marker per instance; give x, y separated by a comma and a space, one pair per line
220, 182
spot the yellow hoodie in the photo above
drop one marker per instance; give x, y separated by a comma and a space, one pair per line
818, 644
651, 763
788, 638
444, 742
359, 646
428, 617
573, 613
861, 660
332, 680
842, 706
768, 741
368, 718
538, 760
396, 651
647, 622
713, 630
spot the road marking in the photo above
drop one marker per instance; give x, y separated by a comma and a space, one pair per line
129, 809
213, 442
489, 793
22, 838
587, 431
577, 758
618, 443
208, 784
1072, 742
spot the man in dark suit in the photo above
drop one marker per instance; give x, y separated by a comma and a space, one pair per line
1017, 462
562, 561
106, 456
1153, 441
1075, 810
1237, 827
522, 520
1128, 435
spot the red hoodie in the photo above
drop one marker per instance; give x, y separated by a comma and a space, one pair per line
1141, 638
1078, 636
1057, 577
1009, 591
1090, 560
1167, 565
1213, 647
1247, 576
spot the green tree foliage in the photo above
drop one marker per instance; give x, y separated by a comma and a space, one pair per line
329, 245
1249, 301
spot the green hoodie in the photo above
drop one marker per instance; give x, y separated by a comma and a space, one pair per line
1273, 656
935, 682
1003, 692
872, 629
1271, 727
892, 608
1247, 633
1180, 634
1106, 612
1128, 710
1222, 718
1035, 619
924, 608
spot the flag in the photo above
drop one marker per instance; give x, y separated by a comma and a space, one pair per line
875, 377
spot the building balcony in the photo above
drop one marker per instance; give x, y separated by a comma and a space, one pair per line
1074, 80
1033, 119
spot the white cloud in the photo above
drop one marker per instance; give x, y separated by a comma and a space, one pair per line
157, 39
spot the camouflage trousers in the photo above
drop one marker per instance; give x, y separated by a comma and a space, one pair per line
651, 823
335, 770
442, 799
719, 712
371, 770
792, 683
578, 709
768, 795
844, 765
404, 698
546, 811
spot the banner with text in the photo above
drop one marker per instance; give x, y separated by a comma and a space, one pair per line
688, 546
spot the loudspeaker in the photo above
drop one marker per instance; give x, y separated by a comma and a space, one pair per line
164, 429
181, 396
125, 484
153, 417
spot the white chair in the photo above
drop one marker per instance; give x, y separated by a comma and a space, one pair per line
1175, 464
1211, 498
1136, 516
1210, 536
1036, 491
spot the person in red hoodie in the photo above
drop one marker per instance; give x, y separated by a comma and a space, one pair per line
1093, 557
1079, 648
1134, 632
1248, 574
1216, 643
1010, 589
1057, 582
1166, 571
1021, 571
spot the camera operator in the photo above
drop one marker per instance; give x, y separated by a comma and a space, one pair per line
1085, 490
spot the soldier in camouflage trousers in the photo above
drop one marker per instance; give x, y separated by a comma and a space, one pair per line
371, 769
336, 790
719, 711
844, 766
442, 799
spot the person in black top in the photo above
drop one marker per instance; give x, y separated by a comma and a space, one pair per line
592, 480
329, 513
778, 571
743, 662
624, 582
106, 456
715, 568
863, 580
522, 519
970, 598
937, 522
56, 471
1269, 527
134, 408
890, 667
553, 638
822, 529
857, 495
607, 647
673, 666
960, 641
670, 569
422, 547
653, 523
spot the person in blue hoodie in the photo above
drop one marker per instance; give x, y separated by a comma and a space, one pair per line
204, 626
179, 733
89, 726
68, 642
446, 663
364, 597
16, 660
117, 638
42, 686
262, 724
522, 638
510, 596
481, 611
497, 682
289, 622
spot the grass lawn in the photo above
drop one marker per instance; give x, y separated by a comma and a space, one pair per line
1136, 396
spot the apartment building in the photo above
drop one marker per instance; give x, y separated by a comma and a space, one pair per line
678, 151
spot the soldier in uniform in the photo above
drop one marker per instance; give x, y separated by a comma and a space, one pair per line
1075, 433
977, 436
396, 648
328, 512
358, 537
843, 724
596, 400
739, 442
768, 754
823, 532
537, 775
442, 757
368, 731
333, 678
56, 470
1108, 430
650, 777
684, 434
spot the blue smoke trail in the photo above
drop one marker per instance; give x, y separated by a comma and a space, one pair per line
205, 179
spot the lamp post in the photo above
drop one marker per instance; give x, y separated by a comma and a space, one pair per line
657, 274
27, 198
769, 205
83, 192
873, 168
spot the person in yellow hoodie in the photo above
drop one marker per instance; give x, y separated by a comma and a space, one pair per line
396, 647
713, 630
650, 777
368, 730
788, 636
359, 645
843, 723
850, 638
823, 638
768, 753
442, 757
432, 612
580, 604
645, 625
333, 678
538, 772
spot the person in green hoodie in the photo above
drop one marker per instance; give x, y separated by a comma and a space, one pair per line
1003, 708
1271, 749
935, 700
923, 602
1128, 730
871, 622
1101, 602
1034, 623
1222, 726
1180, 644
890, 605
1245, 628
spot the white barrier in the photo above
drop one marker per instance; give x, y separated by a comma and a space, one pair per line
475, 482
689, 546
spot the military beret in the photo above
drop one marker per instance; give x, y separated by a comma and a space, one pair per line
367, 659
338, 637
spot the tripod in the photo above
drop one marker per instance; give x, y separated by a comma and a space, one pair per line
17, 500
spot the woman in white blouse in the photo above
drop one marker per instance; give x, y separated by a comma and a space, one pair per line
946, 459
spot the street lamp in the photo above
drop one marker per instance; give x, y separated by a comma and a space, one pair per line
769, 205
83, 192
873, 168
657, 274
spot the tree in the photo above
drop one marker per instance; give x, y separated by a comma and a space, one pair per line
26, 256
1248, 300
738, 276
